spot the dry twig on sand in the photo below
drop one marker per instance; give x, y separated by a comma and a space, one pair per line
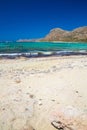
60, 125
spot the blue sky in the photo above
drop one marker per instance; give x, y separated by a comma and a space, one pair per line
34, 18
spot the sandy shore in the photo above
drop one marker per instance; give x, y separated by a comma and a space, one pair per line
43, 93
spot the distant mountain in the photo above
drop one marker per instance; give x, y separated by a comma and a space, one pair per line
57, 34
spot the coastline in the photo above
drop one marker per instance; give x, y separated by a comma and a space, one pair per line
39, 54
46, 89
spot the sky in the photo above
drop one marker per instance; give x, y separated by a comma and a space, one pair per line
27, 19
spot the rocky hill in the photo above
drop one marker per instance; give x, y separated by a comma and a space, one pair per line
57, 34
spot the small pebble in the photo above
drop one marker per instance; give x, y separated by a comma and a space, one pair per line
3, 109
31, 96
26, 109
40, 103
77, 92
18, 80
40, 99
53, 100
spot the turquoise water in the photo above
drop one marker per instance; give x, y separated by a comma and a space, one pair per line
40, 46
26, 47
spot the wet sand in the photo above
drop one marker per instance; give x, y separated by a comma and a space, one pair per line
38, 93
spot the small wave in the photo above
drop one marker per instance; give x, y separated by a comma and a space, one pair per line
43, 54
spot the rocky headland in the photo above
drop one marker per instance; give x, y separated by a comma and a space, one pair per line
58, 34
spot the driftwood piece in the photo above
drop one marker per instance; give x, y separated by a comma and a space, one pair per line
60, 126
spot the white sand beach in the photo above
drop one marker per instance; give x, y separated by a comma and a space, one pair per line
43, 93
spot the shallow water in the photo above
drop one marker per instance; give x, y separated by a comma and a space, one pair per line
42, 48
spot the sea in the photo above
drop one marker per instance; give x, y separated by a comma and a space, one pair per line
41, 49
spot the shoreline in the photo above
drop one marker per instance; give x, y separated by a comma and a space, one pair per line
43, 54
